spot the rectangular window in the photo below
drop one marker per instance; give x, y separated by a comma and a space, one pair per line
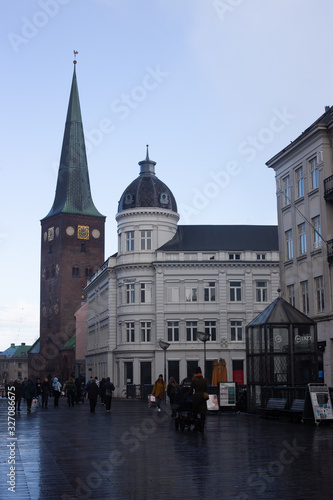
191, 330
314, 173
235, 291
261, 256
291, 294
130, 241
316, 232
130, 294
286, 191
210, 327
234, 256
130, 331
209, 292
300, 182
173, 331
261, 291
145, 293
302, 239
191, 294
319, 289
305, 296
173, 294
236, 331
289, 244
145, 331
145, 240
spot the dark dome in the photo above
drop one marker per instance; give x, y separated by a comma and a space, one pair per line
147, 191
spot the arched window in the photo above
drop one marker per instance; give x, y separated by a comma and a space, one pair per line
89, 272
75, 272
53, 272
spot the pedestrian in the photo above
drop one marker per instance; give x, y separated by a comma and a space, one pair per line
18, 393
108, 388
30, 392
70, 388
158, 391
45, 392
78, 390
93, 392
199, 387
38, 385
56, 386
171, 392
24, 383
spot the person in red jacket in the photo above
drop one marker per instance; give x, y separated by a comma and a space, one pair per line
199, 386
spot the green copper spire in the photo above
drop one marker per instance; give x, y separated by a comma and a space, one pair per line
73, 194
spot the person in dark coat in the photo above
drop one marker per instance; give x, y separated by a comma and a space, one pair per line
70, 388
18, 393
38, 385
172, 388
30, 392
93, 392
56, 386
45, 392
108, 388
199, 386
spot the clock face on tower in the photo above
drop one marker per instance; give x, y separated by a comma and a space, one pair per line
83, 232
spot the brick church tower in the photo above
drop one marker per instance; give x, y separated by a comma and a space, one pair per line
72, 244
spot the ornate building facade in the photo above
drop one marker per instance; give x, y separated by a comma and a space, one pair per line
168, 282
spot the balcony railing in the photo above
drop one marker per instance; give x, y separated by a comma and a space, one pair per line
330, 251
328, 188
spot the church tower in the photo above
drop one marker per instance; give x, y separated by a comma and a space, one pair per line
72, 244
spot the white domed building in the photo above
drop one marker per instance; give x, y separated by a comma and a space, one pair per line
169, 281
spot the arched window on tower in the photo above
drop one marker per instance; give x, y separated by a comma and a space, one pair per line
53, 272
89, 272
75, 272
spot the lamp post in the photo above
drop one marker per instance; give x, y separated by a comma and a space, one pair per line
203, 336
164, 345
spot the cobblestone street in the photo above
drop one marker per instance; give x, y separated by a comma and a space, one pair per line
136, 453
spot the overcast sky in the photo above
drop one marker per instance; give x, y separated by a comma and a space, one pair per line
216, 88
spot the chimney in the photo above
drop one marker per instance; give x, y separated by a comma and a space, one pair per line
327, 108
22, 343
12, 345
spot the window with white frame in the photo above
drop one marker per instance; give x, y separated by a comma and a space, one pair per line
234, 256
316, 232
300, 182
305, 296
130, 337
145, 293
210, 328
291, 294
145, 238
130, 241
314, 173
319, 290
130, 293
191, 294
302, 238
209, 292
236, 331
173, 331
173, 294
289, 244
261, 291
235, 289
261, 256
145, 327
286, 190
191, 330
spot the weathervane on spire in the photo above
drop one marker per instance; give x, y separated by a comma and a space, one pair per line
75, 53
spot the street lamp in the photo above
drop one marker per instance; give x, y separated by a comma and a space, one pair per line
164, 345
203, 336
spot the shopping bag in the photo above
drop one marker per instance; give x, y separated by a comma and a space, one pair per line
34, 402
152, 398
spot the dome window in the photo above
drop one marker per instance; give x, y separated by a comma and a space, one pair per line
164, 198
129, 198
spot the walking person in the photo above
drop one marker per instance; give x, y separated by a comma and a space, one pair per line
18, 394
199, 387
158, 391
30, 392
93, 392
70, 388
45, 392
38, 385
108, 388
56, 386
171, 392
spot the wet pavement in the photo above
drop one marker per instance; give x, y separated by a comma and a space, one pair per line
136, 453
